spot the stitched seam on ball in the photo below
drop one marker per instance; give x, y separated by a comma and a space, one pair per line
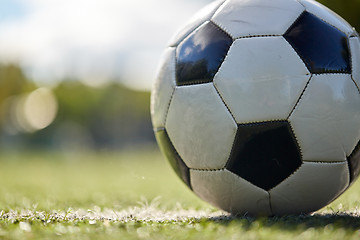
222, 27
177, 43
222, 99
352, 63
324, 162
195, 29
195, 82
330, 73
354, 151
177, 154
221, 61
341, 71
303, 61
357, 148
247, 36
329, 23
350, 173
349, 177
232, 116
243, 179
255, 123
168, 107
298, 170
297, 141
220, 6
287, 177
270, 204
259, 36
227, 53
232, 148
301, 4
350, 55
173, 83
357, 86
208, 170
184, 38
300, 97
262, 121
293, 47
319, 18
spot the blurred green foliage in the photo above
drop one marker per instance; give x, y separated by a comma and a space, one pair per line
111, 116
114, 116
348, 9
13, 81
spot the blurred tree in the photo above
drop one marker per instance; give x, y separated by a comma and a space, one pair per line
112, 116
13, 81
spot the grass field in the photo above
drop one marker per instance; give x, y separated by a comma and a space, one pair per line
47, 195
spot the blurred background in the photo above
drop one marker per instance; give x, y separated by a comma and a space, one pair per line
76, 74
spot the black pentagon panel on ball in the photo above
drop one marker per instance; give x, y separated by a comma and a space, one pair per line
265, 153
323, 48
354, 164
173, 157
200, 55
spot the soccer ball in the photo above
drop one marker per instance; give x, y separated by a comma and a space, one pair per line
257, 106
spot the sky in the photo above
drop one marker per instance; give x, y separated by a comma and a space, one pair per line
91, 40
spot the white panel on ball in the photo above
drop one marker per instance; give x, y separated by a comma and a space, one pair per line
228, 191
200, 127
202, 16
327, 15
241, 18
327, 119
261, 79
312, 187
355, 57
163, 88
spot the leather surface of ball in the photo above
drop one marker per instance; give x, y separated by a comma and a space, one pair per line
256, 105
